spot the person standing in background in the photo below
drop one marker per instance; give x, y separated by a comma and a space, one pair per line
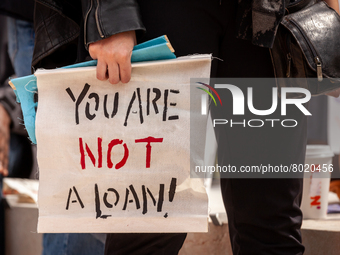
20, 39
17, 42
18, 35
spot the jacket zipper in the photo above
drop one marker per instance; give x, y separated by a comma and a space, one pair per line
97, 21
87, 14
289, 60
312, 50
289, 56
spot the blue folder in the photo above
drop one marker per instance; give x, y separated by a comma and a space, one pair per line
26, 87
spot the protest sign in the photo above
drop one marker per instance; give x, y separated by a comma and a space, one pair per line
116, 158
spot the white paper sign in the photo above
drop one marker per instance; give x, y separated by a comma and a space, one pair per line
116, 158
333, 124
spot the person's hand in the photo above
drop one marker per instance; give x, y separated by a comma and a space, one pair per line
334, 93
114, 57
4, 140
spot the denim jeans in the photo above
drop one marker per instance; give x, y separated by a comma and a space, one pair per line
20, 35
20, 45
72, 244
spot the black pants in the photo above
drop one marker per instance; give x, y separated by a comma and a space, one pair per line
263, 214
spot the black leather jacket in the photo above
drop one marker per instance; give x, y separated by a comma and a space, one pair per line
58, 24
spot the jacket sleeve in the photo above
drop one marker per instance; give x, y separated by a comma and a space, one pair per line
103, 18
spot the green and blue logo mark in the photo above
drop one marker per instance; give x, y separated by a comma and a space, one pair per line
204, 98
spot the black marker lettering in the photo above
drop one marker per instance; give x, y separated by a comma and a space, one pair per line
148, 102
172, 189
79, 100
165, 109
140, 107
129, 108
160, 198
74, 201
173, 117
97, 201
158, 95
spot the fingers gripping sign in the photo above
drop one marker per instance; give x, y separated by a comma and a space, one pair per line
114, 57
